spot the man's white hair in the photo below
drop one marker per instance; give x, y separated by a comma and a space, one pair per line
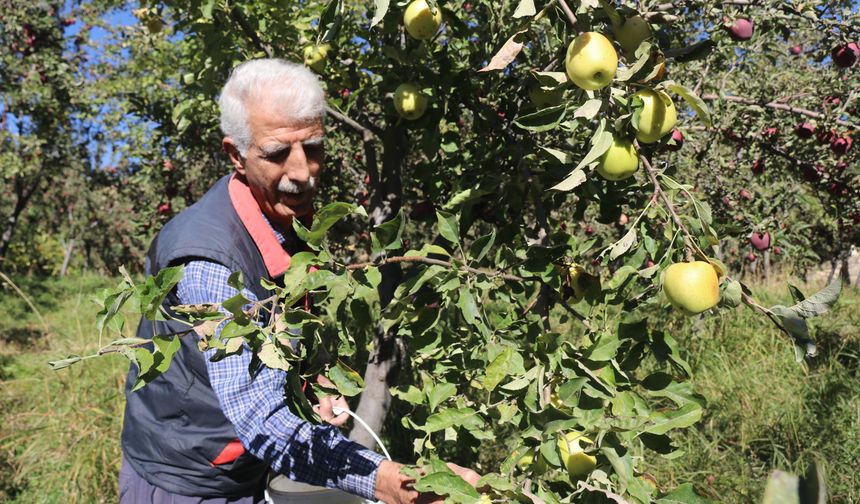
294, 89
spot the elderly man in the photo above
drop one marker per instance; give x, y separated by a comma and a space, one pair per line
206, 432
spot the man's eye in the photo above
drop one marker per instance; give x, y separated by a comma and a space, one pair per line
279, 156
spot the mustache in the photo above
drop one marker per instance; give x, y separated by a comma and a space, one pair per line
286, 185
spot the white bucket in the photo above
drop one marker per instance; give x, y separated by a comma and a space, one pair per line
282, 490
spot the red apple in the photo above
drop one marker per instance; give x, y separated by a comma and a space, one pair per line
832, 100
761, 241
840, 146
649, 263
589, 230
623, 219
168, 165
805, 130
758, 166
840, 166
845, 56
743, 193
740, 29
825, 136
838, 189
796, 50
751, 257
771, 132
163, 209
777, 250
676, 141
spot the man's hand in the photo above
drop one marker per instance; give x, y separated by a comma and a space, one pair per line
393, 487
327, 403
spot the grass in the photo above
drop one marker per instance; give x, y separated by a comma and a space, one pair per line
59, 431
59, 436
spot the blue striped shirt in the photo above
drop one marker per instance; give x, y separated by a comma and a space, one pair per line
315, 454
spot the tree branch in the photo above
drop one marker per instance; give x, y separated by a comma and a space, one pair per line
779, 106
428, 260
567, 12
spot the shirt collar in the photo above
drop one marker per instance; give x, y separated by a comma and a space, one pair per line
269, 240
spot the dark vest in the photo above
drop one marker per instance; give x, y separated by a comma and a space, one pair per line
174, 427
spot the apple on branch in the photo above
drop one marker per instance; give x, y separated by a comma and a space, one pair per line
420, 22
620, 161
631, 32
315, 57
591, 61
409, 101
657, 116
692, 287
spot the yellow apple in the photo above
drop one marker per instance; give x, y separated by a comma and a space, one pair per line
543, 97
692, 287
577, 462
620, 161
657, 117
409, 101
584, 285
420, 22
315, 57
632, 32
591, 61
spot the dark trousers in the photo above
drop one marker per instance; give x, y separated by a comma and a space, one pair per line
135, 490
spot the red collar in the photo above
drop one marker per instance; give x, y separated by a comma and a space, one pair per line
277, 259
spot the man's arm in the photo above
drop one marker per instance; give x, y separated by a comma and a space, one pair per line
316, 454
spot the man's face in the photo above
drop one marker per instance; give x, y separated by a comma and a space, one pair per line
282, 164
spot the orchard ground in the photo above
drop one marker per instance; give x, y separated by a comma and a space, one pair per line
59, 433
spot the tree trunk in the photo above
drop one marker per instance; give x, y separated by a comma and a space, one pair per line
67, 258
767, 265
386, 359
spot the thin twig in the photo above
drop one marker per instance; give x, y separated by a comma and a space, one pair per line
779, 106
428, 260
567, 12
28, 301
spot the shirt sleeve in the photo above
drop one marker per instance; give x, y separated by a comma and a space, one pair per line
315, 454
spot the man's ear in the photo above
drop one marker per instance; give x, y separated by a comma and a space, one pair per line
232, 151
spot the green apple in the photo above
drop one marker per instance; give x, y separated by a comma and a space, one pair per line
409, 101
620, 161
315, 57
692, 287
575, 460
591, 61
631, 32
657, 117
420, 22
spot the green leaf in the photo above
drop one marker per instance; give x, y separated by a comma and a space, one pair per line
589, 109
468, 306
64, 363
573, 180
505, 364
166, 347
236, 280
448, 226
623, 245
464, 197
604, 348
563, 157
439, 393
821, 301
272, 357
451, 417
684, 494
347, 380
525, 8
330, 21
482, 245
448, 483
600, 142
685, 416
731, 295
379, 13
324, 219
543, 120
387, 236
693, 100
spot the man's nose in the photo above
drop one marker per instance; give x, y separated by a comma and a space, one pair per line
297, 165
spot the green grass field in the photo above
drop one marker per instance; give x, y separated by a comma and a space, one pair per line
59, 435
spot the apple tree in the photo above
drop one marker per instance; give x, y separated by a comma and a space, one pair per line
518, 195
